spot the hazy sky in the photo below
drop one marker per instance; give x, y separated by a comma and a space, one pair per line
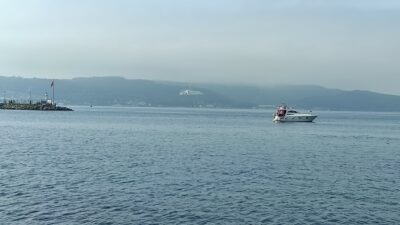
348, 44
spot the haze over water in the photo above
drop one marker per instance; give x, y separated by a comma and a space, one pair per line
197, 166
345, 44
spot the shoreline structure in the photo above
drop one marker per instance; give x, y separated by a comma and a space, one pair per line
12, 105
44, 105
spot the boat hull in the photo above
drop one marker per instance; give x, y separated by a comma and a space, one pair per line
295, 118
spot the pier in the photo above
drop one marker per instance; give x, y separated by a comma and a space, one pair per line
43, 105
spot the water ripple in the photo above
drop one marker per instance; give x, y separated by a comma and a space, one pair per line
181, 166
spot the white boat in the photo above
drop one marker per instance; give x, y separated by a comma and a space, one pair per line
190, 92
283, 114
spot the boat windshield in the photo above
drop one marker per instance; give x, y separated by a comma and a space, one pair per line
292, 111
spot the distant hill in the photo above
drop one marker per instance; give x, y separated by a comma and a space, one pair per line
312, 97
120, 91
114, 91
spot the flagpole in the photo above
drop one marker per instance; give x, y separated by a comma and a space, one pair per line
53, 93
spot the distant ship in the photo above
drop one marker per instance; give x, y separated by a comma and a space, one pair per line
190, 92
283, 114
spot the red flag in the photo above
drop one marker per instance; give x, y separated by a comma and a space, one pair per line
52, 83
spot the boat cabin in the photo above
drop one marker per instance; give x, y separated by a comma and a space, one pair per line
291, 112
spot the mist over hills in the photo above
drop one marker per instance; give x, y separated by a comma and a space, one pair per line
121, 91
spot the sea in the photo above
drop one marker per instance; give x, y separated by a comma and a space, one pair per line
127, 165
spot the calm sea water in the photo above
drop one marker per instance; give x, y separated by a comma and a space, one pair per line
197, 166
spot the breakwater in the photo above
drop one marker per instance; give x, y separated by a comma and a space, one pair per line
33, 106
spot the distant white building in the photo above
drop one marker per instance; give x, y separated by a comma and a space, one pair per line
190, 92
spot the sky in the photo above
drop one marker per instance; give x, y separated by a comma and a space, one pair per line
346, 44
